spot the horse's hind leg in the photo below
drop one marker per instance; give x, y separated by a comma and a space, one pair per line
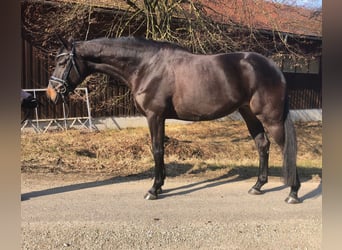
262, 143
284, 135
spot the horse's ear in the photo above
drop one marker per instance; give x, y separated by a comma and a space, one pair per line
66, 44
70, 40
70, 43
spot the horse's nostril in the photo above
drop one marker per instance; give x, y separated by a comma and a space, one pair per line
51, 93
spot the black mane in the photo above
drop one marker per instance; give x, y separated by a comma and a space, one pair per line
143, 43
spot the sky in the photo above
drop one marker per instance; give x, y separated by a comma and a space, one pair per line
310, 3
307, 3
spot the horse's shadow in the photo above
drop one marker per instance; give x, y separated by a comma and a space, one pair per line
193, 187
313, 194
233, 175
196, 186
118, 179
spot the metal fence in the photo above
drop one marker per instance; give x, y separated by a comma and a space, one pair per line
66, 117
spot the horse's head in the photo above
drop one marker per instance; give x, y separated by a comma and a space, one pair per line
68, 72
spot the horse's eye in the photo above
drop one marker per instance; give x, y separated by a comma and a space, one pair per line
62, 61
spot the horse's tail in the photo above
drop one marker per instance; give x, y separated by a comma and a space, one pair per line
290, 149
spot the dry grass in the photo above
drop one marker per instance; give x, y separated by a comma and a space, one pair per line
209, 149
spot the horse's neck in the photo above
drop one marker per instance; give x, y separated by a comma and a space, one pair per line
107, 58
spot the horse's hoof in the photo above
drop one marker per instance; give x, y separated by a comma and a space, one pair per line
149, 196
255, 191
292, 200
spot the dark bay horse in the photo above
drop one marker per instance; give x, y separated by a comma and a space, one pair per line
167, 81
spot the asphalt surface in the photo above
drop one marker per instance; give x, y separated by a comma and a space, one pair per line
67, 213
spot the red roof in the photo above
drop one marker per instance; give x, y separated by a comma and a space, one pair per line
261, 14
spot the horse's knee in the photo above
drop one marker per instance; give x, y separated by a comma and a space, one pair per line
262, 143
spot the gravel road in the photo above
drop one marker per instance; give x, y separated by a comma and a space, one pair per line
59, 212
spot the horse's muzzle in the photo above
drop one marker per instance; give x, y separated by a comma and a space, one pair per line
52, 94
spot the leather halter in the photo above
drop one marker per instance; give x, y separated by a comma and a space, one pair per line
64, 80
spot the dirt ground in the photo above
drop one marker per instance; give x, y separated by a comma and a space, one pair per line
60, 212
197, 213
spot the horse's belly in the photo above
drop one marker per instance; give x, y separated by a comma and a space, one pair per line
200, 111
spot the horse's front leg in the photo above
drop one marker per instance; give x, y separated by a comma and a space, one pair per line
157, 130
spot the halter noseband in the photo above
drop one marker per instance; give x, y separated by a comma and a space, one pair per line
71, 64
